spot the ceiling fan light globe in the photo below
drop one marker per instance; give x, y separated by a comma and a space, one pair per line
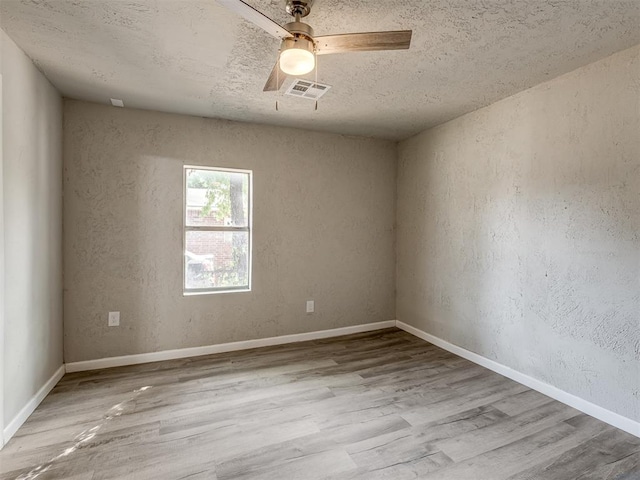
297, 61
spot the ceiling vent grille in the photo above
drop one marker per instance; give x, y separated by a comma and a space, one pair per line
307, 89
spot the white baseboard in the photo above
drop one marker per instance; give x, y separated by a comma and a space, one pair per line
221, 348
13, 426
607, 416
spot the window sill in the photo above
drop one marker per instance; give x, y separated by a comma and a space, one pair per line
213, 292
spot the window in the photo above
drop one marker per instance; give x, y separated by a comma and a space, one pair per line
217, 230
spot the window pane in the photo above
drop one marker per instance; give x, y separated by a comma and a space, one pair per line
216, 259
217, 198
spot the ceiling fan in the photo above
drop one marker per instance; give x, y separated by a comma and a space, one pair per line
299, 45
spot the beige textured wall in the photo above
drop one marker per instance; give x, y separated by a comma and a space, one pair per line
519, 232
324, 211
2, 269
32, 206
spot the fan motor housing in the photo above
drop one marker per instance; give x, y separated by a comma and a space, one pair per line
299, 28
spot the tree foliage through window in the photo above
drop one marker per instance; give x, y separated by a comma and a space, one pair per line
226, 204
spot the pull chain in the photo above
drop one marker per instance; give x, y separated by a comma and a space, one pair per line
277, 78
315, 54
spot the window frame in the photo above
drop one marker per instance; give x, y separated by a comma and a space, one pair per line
190, 228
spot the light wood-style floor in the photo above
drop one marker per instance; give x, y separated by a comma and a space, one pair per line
381, 405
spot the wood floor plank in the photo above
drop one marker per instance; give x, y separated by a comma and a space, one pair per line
506, 431
530, 452
599, 455
369, 406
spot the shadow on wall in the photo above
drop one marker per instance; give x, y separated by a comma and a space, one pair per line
124, 219
145, 241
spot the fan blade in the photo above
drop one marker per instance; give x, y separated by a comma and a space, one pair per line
275, 80
257, 18
362, 42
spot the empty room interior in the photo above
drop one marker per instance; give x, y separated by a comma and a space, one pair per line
295, 239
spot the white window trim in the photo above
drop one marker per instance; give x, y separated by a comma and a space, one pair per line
185, 228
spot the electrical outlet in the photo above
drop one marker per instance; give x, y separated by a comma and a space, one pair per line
310, 306
114, 319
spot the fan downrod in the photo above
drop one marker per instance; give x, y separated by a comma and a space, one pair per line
299, 8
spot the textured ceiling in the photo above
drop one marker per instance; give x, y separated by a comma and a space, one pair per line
196, 57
